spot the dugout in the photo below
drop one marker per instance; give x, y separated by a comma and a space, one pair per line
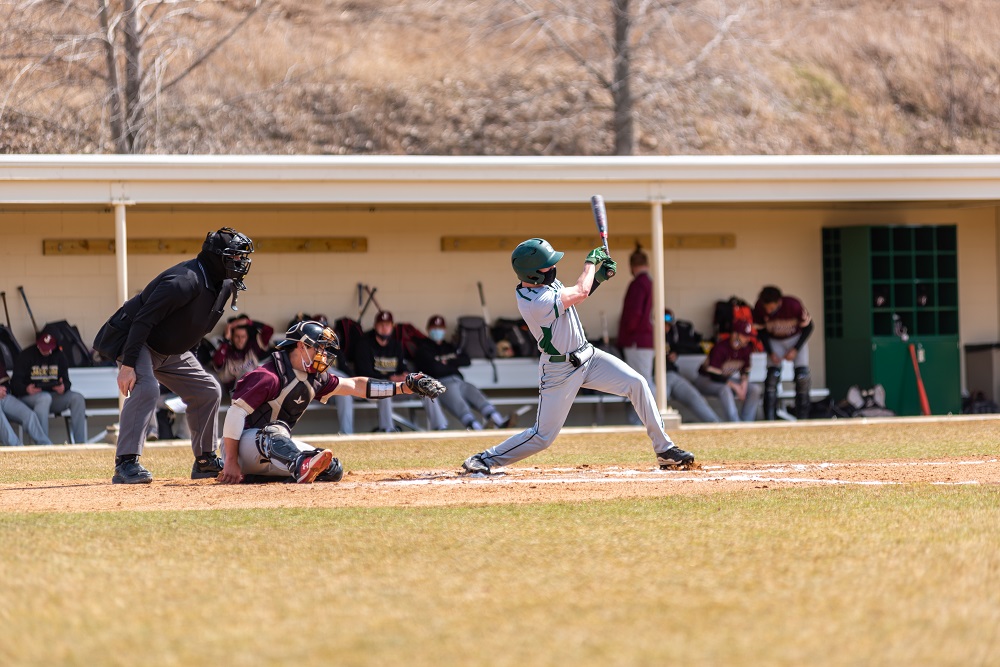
81, 233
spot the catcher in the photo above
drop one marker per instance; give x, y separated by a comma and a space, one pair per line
269, 400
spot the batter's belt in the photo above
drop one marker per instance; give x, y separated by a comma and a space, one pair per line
571, 357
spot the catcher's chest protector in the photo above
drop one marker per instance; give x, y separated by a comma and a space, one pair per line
293, 398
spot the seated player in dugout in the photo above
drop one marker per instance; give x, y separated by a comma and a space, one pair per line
269, 400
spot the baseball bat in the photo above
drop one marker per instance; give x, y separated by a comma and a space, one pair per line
925, 406
482, 302
601, 218
3, 295
27, 305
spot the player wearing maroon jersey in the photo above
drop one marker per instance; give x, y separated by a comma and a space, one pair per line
784, 326
269, 400
725, 374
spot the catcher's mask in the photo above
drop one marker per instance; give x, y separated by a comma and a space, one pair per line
235, 250
322, 340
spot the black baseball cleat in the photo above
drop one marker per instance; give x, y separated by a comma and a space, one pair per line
510, 421
675, 457
131, 472
206, 466
475, 464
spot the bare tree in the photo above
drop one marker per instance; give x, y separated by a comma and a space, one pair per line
638, 50
67, 56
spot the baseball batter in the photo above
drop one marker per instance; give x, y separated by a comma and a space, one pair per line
568, 362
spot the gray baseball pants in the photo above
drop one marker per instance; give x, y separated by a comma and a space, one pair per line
727, 398
17, 411
183, 375
560, 383
46, 403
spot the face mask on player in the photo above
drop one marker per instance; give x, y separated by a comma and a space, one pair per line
436, 335
549, 276
321, 359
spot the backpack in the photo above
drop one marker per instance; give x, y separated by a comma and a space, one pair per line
349, 332
78, 354
474, 340
9, 347
517, 335
408, 337
734, 308
865, 402
687, 340
979, 404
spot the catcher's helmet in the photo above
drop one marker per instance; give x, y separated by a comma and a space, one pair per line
314, 335
530, 256
235, 250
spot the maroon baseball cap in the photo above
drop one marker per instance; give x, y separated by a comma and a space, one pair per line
46, 342
742, 327
383, 316
436, 322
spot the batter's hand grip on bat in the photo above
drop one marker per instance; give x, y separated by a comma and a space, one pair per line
601, 219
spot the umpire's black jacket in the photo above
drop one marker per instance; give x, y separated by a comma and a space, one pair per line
175, 310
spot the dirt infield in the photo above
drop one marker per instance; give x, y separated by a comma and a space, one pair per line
517, 484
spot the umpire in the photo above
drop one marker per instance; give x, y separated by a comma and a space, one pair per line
152, 335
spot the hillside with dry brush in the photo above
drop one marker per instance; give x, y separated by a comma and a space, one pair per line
512, 77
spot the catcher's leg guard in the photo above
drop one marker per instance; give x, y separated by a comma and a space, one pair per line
803, 403
771, 392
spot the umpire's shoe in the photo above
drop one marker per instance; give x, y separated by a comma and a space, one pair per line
675, 457
206, 466
130, 471
475, 464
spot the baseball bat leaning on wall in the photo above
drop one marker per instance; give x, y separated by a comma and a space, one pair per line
28, 306
482, 302
601, 219
925, 406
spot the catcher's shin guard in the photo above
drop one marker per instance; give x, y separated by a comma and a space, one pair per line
803, 404
771, 392
274, 442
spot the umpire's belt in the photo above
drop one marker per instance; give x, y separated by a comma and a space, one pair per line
574, 355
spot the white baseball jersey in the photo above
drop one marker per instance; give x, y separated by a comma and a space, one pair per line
557, 329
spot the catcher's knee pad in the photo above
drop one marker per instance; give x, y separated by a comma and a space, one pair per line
274, 442
332, 474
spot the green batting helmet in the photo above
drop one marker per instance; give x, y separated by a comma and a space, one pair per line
530, 256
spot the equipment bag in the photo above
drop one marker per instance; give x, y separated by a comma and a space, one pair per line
517, 335
734, 308
78, 354
408, 336
474, 339
9, 347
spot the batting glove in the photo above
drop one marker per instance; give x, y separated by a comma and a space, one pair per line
596, 256
609, 266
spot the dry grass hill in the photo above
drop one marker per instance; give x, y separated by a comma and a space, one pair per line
514, 77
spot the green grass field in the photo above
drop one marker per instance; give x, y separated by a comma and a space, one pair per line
841, 575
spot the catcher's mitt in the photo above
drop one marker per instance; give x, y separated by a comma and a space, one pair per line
424, 385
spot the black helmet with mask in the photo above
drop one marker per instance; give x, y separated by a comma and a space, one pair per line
321, 338
234, 249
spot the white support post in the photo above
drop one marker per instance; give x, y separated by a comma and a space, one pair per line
659, 303
121, 249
